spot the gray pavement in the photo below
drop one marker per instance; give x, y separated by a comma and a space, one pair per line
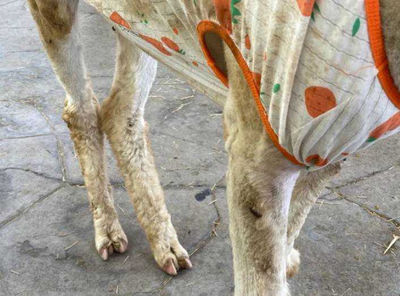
46, 233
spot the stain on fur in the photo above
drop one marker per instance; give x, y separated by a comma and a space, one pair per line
255, 213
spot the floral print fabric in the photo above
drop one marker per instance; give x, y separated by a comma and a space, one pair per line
309, 60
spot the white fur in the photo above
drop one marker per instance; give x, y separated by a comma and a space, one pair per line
267, 206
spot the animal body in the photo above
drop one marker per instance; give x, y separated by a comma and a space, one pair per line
269, 190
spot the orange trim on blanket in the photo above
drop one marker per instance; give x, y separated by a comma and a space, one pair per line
210, 26
377, 45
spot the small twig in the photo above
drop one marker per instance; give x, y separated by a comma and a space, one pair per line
384, 246
180, 107
187, 97
326, 202
122, 210
15, 272
346, 291
165, 282
126, 259
155, 97
215, 114
216, 222
380, 245
213, 201
63, 234
393, 219
214, 231
395, 238
218, 182
69, 247
117, 290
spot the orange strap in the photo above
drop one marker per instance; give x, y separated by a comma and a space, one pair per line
377, 44
210, 26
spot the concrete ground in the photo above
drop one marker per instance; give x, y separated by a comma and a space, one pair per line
46, 233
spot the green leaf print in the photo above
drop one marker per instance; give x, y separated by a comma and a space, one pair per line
143, 18
371, 139
235, 11
276, 88
316, 9
356, 27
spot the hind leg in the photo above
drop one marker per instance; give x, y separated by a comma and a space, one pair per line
123, 122
308, 187
56, 20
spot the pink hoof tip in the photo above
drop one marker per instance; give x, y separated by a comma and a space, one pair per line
186, 263
103, 253
169, 267
123, 246
110, 250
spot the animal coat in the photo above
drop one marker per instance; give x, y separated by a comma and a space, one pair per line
317, 70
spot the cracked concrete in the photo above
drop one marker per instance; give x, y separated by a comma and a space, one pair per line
45, 225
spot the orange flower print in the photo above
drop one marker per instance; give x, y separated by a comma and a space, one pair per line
195, 63
171, 44
391, 124
175, 31
157, 44
315, 159
306, 6
116, 18
223, 11
319, 100
257, 79
247, 42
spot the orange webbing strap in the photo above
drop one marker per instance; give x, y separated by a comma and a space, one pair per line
377, 45
210, 26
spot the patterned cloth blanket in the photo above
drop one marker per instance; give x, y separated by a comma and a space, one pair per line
317, 69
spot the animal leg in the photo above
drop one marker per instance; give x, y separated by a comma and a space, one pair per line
123, 122
56, 20
308, 187
260, 182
